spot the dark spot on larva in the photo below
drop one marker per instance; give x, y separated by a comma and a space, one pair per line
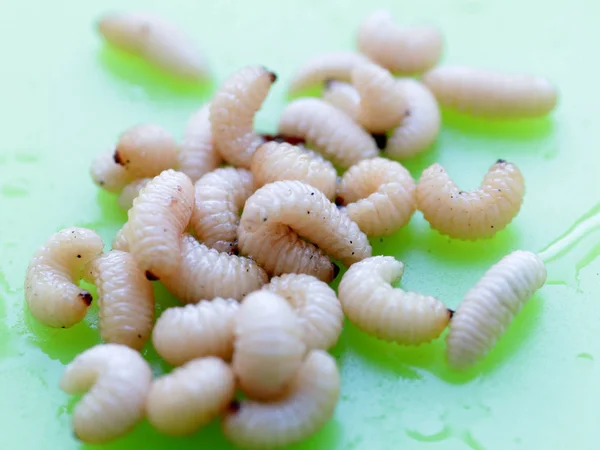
501, 161
139, 336
380, 140
339, 201
499, 190
272, 75
63, 327
451, 196
79, 256
353, 253
492, 226
234, 407
336, 270
407, 113
328, 83
179, 188
117, 158
86, 297
312, 193
150, 276
101, 182
461, 192
264, 219
308, 212
451, 312
292, 140
380, 239
164, 230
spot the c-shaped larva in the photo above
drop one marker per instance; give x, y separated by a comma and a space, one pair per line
328, 130
491, 94
276, 161
490, 306
376, 307
51, 289
308, 404
192, 331
476, 214
118, 379
107, 174
343, 96
220, 197
130, 193
232, 113
379, 194
268, 345
316, 304
189, 397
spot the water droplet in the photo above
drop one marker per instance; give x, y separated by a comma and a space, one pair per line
585, 356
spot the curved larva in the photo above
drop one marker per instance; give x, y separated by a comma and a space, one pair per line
309, 403
275, 161
328, 130
130, 193
476, 214
392, 314
490, 306
118, 379
343, 96
155, 39
407, 50
232, 113
121, 241
189, 397
107, 174
51, 290
192, 331
316, 305
220, 197
491, 94
268, 346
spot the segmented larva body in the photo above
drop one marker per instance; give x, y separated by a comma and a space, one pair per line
490, 306
51, 289
308, 404
130, 193
275, 161
232, 114
107, 174
268, 346
316, 304
491, 94
476, 214
343, 96
328, 130
406, 50
118, 379
192, 331
220, 197
189, 397
372, 304
120, 242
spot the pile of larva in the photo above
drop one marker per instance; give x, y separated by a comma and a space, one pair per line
241, 226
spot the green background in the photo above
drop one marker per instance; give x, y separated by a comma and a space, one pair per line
64, 97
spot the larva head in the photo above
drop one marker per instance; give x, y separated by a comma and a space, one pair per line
73, 247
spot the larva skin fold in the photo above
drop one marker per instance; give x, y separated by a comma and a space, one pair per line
51, 289
490, 306
232, 113
117, 380
379, 195
471, 215
308, 404
391, 314
189, 397
107, 174
491, 94
130, 192
343, 96
120, 241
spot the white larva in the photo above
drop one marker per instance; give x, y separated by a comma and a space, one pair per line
475, 214
491, 94
121, 242
107, 174
51, 289
343, 96
130, 193
308, 404
490, 306
372, 304
189, 397
117, 380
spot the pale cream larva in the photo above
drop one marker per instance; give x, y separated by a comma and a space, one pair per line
276, 161
189, 397
130, 192
232, 113
51, 289
268, 346
308, 404
491, 94
117, 380
343, 96
107, 174
372, 304
490, 306
471, 215
316, 305
328, 130
121, 242
220, 197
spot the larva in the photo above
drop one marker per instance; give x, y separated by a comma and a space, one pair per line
118, 379
476, 214
51, 289
268, 346
490, 306
232, 113
379, 194
107, 174
130, 192
220, 197
371, 303
491, 94
192, 331
121, 242
328, 130
189, 397
343, 96
281, 161
308, 404
316, 305
405, 50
